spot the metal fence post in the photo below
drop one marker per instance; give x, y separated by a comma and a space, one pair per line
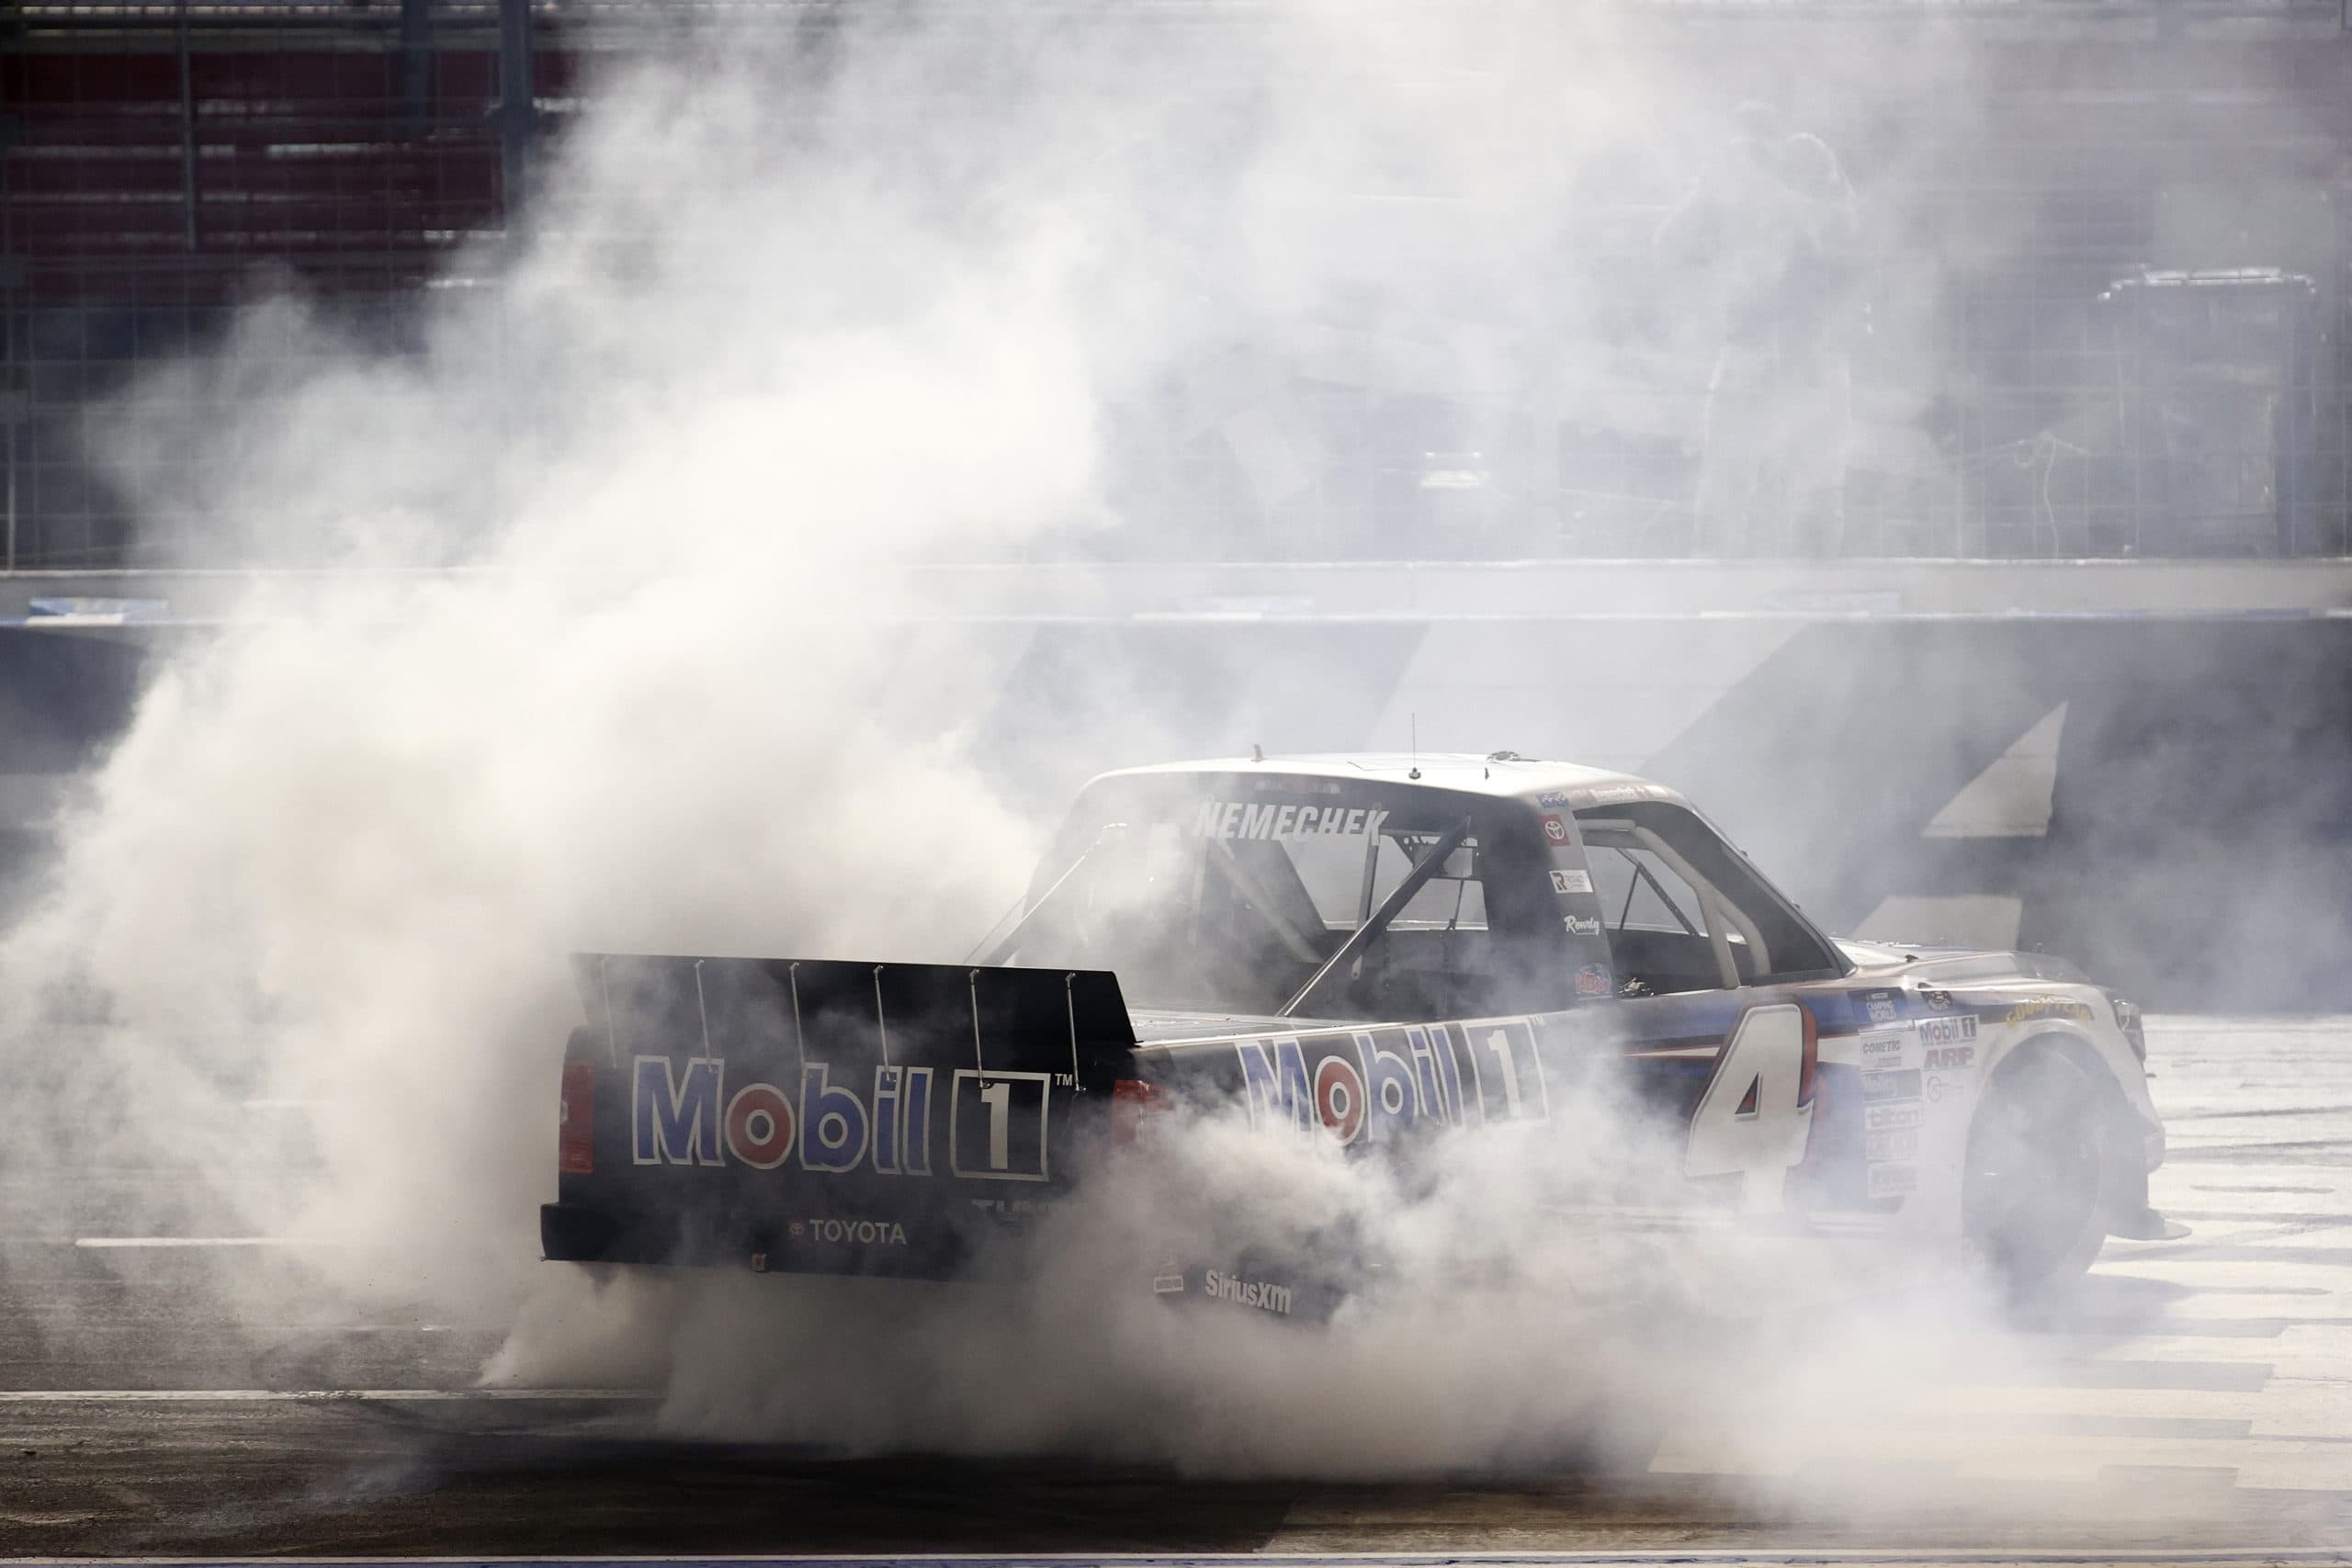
188, 128
416, 64
516, 117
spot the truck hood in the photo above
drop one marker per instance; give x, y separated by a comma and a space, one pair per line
1956, 966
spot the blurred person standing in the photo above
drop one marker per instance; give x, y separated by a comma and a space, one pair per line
1776, 228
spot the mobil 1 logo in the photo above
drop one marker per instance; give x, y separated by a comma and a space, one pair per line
1372, 1083
996, 1125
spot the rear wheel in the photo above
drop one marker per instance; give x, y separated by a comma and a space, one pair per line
2034, 1199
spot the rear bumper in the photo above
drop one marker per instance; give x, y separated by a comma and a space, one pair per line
582, 1233
572, 1232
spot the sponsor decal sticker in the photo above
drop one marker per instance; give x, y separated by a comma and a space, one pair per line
1262, 1294
1898, 1083
1902, 1144
2049, 1007
1556, 832
1284, 820
1893, 1180
1879, 1006
1594, 980
1367, 1083
1556, 797
1947, 1031
861, 1232
1893, 1115
1578, 881
1167, 1284
1581, 925
1938, 1001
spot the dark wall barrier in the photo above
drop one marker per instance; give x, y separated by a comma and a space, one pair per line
2197, 848
2166, 800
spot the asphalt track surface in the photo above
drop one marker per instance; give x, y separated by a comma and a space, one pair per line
2195, 1397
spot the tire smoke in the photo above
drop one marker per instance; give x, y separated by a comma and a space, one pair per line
615, 653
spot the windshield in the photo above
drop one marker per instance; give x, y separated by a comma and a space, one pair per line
1368, 904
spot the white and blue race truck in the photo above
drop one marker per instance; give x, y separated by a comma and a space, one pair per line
1375, 950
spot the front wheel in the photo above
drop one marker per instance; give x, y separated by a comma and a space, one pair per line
2034, 1204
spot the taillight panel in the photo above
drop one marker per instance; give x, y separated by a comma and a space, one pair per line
2126, 1020
1131, 1100
576, 1132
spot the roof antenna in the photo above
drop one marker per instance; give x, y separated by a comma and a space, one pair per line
1257, 752
1414, 719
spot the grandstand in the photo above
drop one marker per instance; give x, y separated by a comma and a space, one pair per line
2137, 218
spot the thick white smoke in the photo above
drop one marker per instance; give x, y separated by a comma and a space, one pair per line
788, 319
1506, 1325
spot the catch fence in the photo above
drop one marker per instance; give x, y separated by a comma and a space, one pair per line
2151, 363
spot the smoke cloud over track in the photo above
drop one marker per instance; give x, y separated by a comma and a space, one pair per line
791, 316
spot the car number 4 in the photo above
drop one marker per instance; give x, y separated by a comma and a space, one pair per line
1756, 1116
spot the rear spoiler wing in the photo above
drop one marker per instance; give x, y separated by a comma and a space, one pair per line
765, 1009
772, 1111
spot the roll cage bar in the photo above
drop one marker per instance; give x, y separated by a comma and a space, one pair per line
1718, 912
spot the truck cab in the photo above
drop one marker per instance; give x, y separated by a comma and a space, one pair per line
1409, 889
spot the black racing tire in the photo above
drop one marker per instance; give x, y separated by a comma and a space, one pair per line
2033, 1201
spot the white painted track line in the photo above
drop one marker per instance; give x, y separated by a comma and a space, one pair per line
293, 1395
114, 1242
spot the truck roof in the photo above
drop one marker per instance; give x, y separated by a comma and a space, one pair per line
1504, 774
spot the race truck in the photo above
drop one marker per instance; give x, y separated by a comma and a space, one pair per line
1377, 950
